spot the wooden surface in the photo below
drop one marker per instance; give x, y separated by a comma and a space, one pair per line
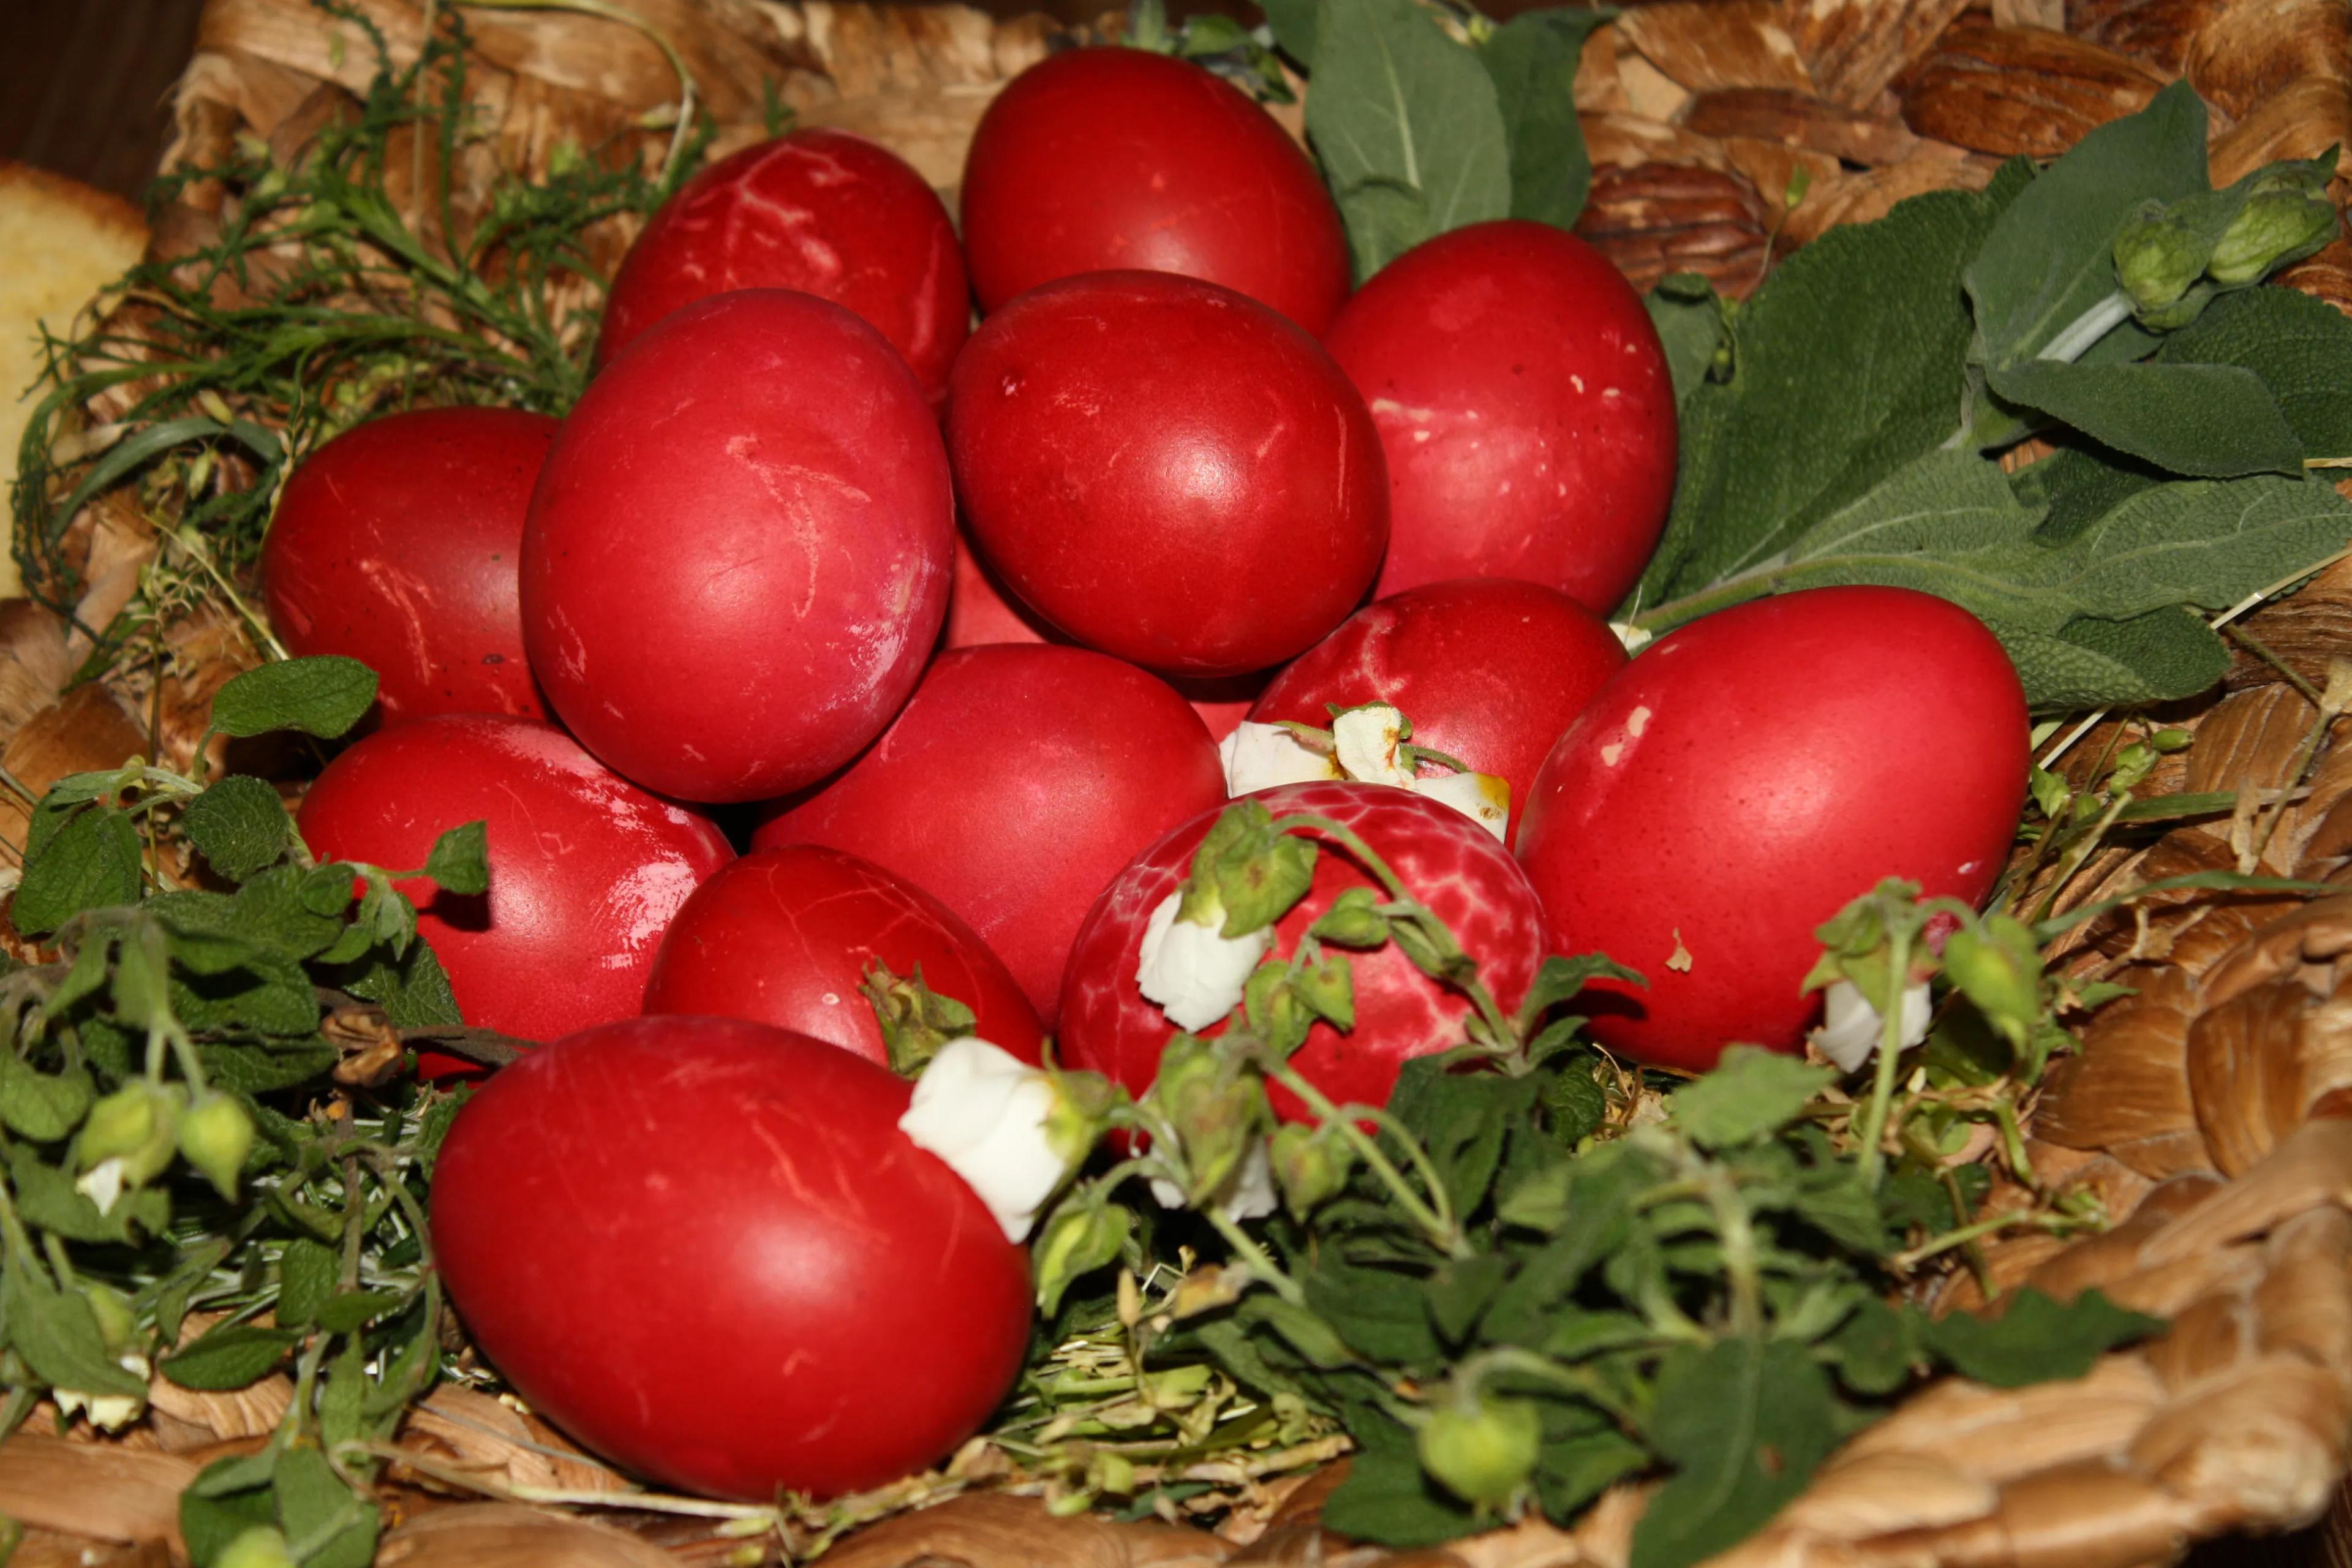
84, 84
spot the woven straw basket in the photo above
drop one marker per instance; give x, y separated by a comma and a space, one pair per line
2211, 1110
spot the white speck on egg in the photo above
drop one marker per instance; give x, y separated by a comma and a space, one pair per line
1612, 751
1636, 721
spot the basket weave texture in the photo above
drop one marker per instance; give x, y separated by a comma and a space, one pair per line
2211, 1110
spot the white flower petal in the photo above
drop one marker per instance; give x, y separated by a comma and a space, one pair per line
1248, 1192
1195, 975
102, 1183
1851, 1028
984, 1110
1365, 740
1260, 756
1484, 798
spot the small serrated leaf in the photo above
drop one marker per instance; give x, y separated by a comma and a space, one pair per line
1750, 1093
460, 861
2037, 1339
226, 1358
90, 861
239, 824
323, 696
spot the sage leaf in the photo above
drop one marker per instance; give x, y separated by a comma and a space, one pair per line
2050, 258
323, 696
314, 1504
1532, 59
1848, 364
1387, 1495
57, 1334
2299, 346
239, 824
230, 1357
1293, 25
1408, 126
1688, 314
89, 862
2208, 420
43, 1107
306, 1273
1745, 1422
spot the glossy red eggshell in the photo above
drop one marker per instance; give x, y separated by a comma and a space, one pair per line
739, 553
1167, 471
1019, 781
786, 936
397, 543
586, 869
1103, 159
1489, 670
1449, 862
1524, 406
818, 210
703, 1248
1748, 775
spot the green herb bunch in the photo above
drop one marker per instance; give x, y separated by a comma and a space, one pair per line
178, 1137
341, 279
1532, 1275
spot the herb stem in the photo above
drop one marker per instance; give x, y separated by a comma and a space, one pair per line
2088, 328
1435, 1216
1890, 1046
1255, 1256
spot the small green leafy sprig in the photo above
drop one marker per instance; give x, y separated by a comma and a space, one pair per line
1511, 1294
341, 282
188, 1143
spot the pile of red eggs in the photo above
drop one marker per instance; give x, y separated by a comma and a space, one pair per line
951, 622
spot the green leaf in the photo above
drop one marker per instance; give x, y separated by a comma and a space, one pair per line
1388, 1498
354, 1309
2211, 421
2038, 1340
1848, 364
47, 1200
1377, 1312
1302, 1331
264, 1069
1563, 979
213, 1513
2091, 663
1408, 126
239, 824
1532, 59
1461, 1289
323, 696
2050, 258
1877, 1348
41, 1106
413, 990
1293, 23
89, 862
58, 1335
1750, 1093
306, 1273
229, 1357
460, 861
1575, 1105
1833, 1199
1576, 1469
313, 1503
1463, 1120
1689, 317
2205, 543
2299, 346
1744, 1423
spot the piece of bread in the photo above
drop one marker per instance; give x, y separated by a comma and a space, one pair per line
60, 242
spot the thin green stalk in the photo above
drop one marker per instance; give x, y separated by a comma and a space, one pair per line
1436, 1222
1872, 1135
1268, 1272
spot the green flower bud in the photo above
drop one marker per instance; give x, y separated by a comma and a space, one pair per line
1484, 1451
2156, 258
1997, 967
134, 1124
1218, 1110
118, 1325
2273, 227
216, 1134
1077, 1240
262, 1546
1311, 1165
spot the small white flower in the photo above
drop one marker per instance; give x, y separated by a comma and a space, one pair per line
1484, 798
109, 1412
1196, 973
984, 1112
1367, 740
1260, 756
1851, 1027
1248, 1192
102, 1183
